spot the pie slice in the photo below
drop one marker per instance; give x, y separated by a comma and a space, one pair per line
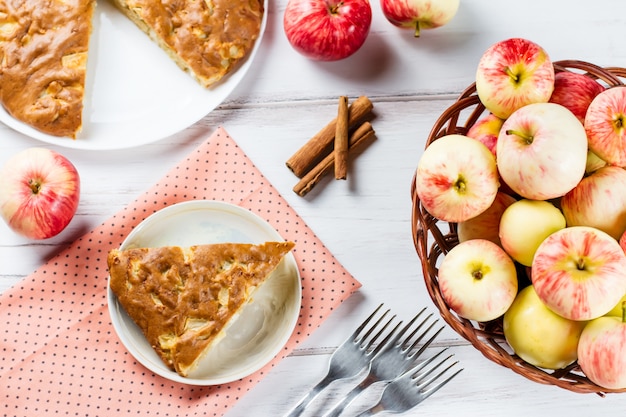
43, 62
206, 38
182, 298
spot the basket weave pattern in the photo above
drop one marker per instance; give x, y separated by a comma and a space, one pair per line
433, 239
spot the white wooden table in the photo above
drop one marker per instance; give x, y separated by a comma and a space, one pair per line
365, 221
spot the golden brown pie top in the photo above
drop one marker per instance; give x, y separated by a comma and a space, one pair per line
207, 38
182, 298
43, 60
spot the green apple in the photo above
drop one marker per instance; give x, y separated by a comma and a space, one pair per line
538, 335
525, 224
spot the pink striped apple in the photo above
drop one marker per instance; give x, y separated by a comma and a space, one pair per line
605, 123
478, 280
456, 178
419, 14
486, 130
39, 192
602, 351
513, 73
542, 151
599, 200
579, 272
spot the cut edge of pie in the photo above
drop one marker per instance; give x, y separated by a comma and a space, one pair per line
183, 298
43, 63
205, 38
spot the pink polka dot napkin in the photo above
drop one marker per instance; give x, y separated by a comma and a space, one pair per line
59, 354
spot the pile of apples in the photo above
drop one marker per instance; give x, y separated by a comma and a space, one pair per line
537, 187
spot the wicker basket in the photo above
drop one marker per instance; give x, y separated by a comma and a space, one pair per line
434, 238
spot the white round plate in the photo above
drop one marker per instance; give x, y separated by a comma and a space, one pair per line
263, 327
135, 94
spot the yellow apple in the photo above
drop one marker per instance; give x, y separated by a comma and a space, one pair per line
617, 311
538, 335
525, 224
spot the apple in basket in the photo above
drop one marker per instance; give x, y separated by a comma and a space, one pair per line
538, 335
575, 91
542, 151
419, 14
478, 280
602, 351
456, 178
513, 73
525, 224
39, 192
579, 272
605, 125
486, 130
599, 200
618, 310
327, 30
487, 224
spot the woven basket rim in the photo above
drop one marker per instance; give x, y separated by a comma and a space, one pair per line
433, 238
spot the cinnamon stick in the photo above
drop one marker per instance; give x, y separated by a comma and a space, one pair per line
321, 145
341, 140
358, 137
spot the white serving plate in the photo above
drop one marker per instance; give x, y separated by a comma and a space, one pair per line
135, 94
263, 327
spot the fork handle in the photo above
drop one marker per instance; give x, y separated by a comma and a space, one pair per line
354, 392
309, 397
372, 411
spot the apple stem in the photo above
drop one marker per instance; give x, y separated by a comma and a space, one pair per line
460, 185
511, 74
529, 139
417, 29
35, 186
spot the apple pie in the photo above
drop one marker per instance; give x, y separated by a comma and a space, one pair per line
206, 38
182, 298
43, 62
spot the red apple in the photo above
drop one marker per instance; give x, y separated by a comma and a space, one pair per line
602, 351
487, 224
419, 14
599, 200
605, 125
575, 91
486, 130
327, 30
39, 192
579, 272
456, 178
478, 280
542, 151
513, 73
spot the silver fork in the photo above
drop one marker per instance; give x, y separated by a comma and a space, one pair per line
351, 357
413, 387
393, 360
